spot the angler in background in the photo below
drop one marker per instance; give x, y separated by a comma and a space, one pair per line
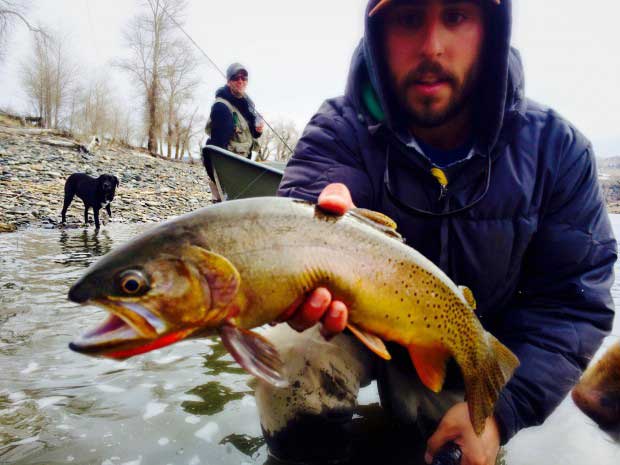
435, 131
233, 124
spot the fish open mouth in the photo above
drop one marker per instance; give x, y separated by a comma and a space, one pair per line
129, 329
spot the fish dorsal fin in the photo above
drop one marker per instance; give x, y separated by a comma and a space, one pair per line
380, 221
221, 275
430, 363
371, 341
469, 296
377, 217
254, 353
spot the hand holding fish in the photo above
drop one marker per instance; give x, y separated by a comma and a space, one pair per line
319, 306
456, 426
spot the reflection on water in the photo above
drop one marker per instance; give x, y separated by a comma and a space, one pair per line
218, 362
80, 247
244, 443
214, 398
184, 404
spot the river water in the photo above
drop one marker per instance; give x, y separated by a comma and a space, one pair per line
184, 404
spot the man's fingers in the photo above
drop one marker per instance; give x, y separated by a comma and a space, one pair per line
335, 319
442, 435
312, 310
336, 198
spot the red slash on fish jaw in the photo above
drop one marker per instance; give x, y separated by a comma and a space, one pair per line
150, 346
233, 311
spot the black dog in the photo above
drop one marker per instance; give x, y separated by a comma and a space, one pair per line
94, 192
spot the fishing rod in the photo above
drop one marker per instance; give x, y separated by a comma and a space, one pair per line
223, 75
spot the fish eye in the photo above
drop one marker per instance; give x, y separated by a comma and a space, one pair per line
133, 282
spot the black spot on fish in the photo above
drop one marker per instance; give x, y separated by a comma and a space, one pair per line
333, 385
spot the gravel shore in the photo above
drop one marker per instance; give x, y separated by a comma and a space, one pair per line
34, 165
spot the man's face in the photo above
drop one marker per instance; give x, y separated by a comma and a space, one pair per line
238, 84
433, 52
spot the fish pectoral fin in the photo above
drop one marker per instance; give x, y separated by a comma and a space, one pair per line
254, 353
380, 221
430, 363
221, 275
374, 343
469, 296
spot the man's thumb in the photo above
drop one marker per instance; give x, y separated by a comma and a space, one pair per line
336, 198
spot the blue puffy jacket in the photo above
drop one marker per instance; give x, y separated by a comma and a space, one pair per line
522, 223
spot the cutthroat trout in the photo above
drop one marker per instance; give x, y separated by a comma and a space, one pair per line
598, 392
241, 264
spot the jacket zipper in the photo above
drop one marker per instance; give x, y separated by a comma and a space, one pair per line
442, 179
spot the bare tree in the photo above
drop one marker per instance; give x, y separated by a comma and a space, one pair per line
179, 83
278, 144
91, 108
11, 11
265, 145
48, 76
187, 132
149, 37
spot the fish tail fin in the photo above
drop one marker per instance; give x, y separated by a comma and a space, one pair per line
482, 389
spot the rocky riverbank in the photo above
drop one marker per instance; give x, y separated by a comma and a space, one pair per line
34, 165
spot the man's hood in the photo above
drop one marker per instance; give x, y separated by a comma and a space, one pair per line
501, 78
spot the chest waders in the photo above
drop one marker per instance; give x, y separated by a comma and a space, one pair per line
241, 141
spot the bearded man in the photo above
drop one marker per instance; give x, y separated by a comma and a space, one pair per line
435, 131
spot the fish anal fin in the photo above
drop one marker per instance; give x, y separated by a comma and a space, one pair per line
380, 221
430, 363
221, 275
469, 296
254, 353
374, 343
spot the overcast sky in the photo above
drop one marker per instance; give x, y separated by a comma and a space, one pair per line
298, 52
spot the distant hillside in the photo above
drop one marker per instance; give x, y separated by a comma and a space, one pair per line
608, 162
609, 178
